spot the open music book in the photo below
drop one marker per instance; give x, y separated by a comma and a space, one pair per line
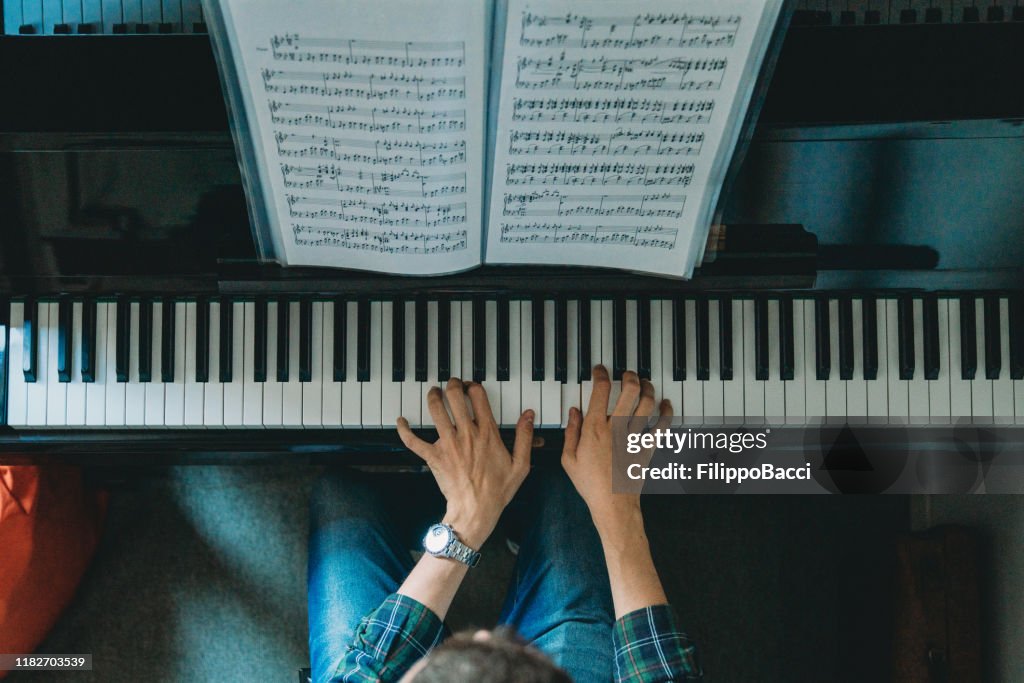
430, 136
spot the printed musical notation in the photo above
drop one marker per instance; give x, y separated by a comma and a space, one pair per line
625, 32
370, 142
615, 110
624, 174
615, 75
550, 203
620, 143
656, 237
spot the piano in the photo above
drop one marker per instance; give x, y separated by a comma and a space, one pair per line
850, 284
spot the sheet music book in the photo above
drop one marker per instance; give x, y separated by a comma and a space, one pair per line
431, 136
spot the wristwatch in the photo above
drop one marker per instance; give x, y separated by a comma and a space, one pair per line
441, 541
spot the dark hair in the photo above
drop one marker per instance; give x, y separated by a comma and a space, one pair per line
502, 658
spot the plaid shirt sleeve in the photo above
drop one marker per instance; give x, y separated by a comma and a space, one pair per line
389, 641
650, 648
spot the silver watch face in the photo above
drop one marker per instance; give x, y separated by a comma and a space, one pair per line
437, 539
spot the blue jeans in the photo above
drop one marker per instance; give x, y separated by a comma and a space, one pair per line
559, 598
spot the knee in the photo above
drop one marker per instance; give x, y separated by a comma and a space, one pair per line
338, 492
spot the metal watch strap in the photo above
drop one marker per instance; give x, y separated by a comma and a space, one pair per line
457, 550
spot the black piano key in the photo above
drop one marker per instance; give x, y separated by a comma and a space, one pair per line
822, 340
847, 18
146, 340
993, 352
479, 327
227, 331
363, 341
872, 17
420, 333
583, 358
120, 28
994, 13
199, 27
398, 341
26, 30
933, 15
166, 341
870, 327
306, 340
968, 339
124, 339
259, 346
725, 338
786, 349
561, 341
702, 340
203, 340
504, 350
1018, 13
678, 339
283, 329
845, 338
538, 340
62, 29
30, 343
971, 15
165, 27
930, 341
88, 360
761, 339
619, 333
142, 28
64, 333
908, 16
340, 339
643, 338
1016, 330
444, 340
905, 334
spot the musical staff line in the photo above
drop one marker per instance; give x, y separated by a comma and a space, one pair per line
551, 203
380, 241
619, 143
657, 237
599, 174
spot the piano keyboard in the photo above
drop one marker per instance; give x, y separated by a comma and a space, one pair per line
877, 12
337, 363
102, 17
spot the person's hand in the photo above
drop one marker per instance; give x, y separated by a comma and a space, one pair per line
587, 452
473, 468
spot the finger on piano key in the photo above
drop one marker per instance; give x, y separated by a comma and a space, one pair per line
423, 345
981, 388
594, 342
115, 386
845, 317
56, 391
123, 344
30, 341
857, 386
938, 389
480, 338
213, 392
561, 340
993, 349
313, 389
714, 388
917, 386
396, 346
234, 382
372, 416
64, 334
608, 348
551, 389
878, 387
146, 340
731, 361
351, 387
431, 379
88, 357
620, 344
444, 341
531, 395
491, 384
76, 387
761, 362
412, 388
774, 389
796, 410
814, 386
822, 338
252, 391
155, 387
631, 337
96, 391
332, 364
959, 387
753, 389
1002, 386
693, 388
273, 389
194, 403
644, 351
134, 390
291, 388
672, 310
899, 397
571, 386
968, 338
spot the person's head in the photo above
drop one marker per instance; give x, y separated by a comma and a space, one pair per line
498, 656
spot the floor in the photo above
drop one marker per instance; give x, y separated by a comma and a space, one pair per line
201, 577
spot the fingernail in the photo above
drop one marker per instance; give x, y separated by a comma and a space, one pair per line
529, 416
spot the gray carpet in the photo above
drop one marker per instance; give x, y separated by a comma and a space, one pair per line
201, 577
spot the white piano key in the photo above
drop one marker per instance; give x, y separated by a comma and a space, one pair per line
191, 14
917, 388
213, 391
273, 391
155, 388
13, 19
455, 341
550, 389
878, 389
607, 351
432, 380
491, 385
796, 411
151, 13
16, 390
981, 388
174, 392
390, 391
753, 390
670, 388
193, 390
899, 398
371, 393
412, 391
734, 389
132, 12
656, 351
1002, 388
72, 12
252, 391
587, 387
115, 390
571, 387
234, 391
835, 388
959, 388
938, 389
466, 340
774, 389
714, 387
291, 391
134, 390
313, 390
96, 392
92, 14
814, 389
52, 14
693, 389
170, 12
56, 391
511, 391
531, 394
632, 357
330, 402
35, 395
31, 15
76, 387
112, 13
857, 388
351, 388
